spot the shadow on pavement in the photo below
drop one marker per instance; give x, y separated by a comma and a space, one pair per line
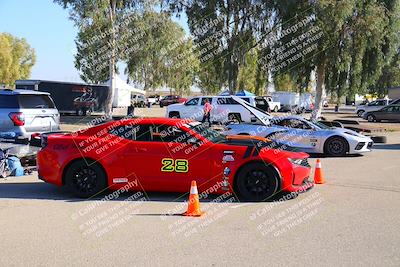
318, 156
387, 146
43, 191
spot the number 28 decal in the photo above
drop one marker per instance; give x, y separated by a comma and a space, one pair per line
171, 165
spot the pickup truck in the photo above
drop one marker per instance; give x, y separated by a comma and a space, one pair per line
171, 99
372, 106
272, 106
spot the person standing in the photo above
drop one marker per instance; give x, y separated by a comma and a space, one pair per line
207, 112
131, 110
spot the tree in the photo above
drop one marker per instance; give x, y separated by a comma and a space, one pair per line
90, 12
209, 79
390, 78
359, 38
223, 30
16, 59
161, 55
92, 57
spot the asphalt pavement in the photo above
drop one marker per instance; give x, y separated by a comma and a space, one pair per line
352, 220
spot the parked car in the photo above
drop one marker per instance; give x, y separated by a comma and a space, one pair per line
390, 113
272, 105
25, 112
153, 100
138, 100
171, 99
372, 106
225, 108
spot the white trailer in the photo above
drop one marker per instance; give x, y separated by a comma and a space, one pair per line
288, 100
291, 101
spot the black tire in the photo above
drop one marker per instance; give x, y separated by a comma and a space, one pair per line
174, 114
85, 178
276, 109
336, 146
243, 134
234, 117
360, 112
23, 141
379, 139
256, 182
371, 118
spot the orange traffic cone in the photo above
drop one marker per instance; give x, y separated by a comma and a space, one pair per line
318, 176
194, 203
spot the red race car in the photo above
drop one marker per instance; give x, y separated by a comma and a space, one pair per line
160, 154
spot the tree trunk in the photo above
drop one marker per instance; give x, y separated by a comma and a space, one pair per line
338, 95
319, 90
230, 77
110, 95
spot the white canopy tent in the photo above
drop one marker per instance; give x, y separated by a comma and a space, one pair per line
123, 91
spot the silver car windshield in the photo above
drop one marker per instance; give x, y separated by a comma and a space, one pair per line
319, 125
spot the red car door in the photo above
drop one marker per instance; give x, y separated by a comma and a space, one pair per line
165, 160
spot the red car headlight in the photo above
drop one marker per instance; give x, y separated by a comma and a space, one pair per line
300, 162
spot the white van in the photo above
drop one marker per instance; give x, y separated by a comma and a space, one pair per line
224, 108
291, 101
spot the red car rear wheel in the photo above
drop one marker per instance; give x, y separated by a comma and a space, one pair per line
85, 178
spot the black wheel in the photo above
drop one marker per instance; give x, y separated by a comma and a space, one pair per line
336, 146
360, 112
371, 118
174, 114
256, 182
161, 105
85, 178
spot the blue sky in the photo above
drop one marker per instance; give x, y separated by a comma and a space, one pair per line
47, 28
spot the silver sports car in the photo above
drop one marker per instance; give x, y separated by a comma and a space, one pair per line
300, 133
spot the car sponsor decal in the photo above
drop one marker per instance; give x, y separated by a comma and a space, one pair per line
171, 165
120, 180
228, 156
227, 171
313, 141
